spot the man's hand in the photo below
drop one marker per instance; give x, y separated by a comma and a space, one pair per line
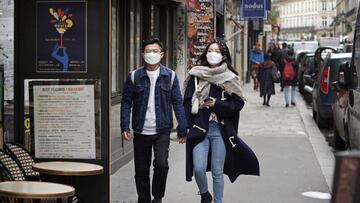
181, 140
125, 135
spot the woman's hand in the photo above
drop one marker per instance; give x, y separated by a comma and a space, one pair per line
210, 102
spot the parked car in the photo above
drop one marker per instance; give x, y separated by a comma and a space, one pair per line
340, 110
351, 85
323, 96
311, 73
305, 70
301, 57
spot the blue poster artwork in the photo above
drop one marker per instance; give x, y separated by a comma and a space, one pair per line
61, 36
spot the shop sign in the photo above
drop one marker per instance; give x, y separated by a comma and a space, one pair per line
267, 28
254, 9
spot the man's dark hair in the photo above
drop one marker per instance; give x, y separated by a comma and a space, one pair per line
290, 52
152, 40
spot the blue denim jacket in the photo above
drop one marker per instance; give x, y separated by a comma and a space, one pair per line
136, 96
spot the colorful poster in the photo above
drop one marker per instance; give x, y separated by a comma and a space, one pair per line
200, 27
61, 36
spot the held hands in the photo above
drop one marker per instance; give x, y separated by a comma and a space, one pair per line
181, 140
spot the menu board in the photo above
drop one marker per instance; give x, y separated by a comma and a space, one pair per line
200, 27
64, 120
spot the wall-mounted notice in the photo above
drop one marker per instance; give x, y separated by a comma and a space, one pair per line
64, 121
200, 27
61, 36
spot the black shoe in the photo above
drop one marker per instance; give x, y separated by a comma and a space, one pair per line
267, 104
156, 200
287, 105
293, 103
264, 103
206, 197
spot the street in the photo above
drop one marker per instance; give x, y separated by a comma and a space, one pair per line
293, 154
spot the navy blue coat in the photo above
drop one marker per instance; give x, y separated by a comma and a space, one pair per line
240, 159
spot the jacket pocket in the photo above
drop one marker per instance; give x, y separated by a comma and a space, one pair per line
137, 105
139, 88
166, 104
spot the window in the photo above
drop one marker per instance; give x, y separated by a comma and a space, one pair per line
324, 21
324, 5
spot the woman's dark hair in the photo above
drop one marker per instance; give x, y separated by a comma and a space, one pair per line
152, 40
224, 51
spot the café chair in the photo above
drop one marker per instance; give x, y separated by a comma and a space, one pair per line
24, 160
9, 168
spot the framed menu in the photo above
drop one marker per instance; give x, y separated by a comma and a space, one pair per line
65, 117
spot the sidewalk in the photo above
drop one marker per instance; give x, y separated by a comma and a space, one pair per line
294, 158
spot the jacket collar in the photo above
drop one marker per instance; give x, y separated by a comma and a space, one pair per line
163, 71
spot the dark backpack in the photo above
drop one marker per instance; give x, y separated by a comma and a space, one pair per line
289, 71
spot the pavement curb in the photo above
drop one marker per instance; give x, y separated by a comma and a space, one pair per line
322, 151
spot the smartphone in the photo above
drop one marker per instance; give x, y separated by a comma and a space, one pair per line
207, 100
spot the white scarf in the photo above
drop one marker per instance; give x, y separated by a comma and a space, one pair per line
220, 76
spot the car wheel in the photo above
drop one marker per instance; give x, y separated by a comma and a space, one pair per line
338, 142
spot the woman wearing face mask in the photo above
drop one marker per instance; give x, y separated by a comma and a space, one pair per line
213, 99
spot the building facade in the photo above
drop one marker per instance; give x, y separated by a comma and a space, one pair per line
345, 19
305, 19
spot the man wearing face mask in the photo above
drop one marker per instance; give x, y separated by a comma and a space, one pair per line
151, 92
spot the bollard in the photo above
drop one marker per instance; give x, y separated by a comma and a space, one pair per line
346, 181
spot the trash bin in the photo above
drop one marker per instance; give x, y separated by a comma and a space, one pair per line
346, 181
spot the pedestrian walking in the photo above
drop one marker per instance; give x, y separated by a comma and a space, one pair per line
265, 76
289, 79
150, 93
256, 60
276, 54
283, 55
213, 99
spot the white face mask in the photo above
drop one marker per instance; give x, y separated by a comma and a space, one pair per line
213, 58
152, 58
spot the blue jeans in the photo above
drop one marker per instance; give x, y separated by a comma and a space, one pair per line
200, 159
293, 94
